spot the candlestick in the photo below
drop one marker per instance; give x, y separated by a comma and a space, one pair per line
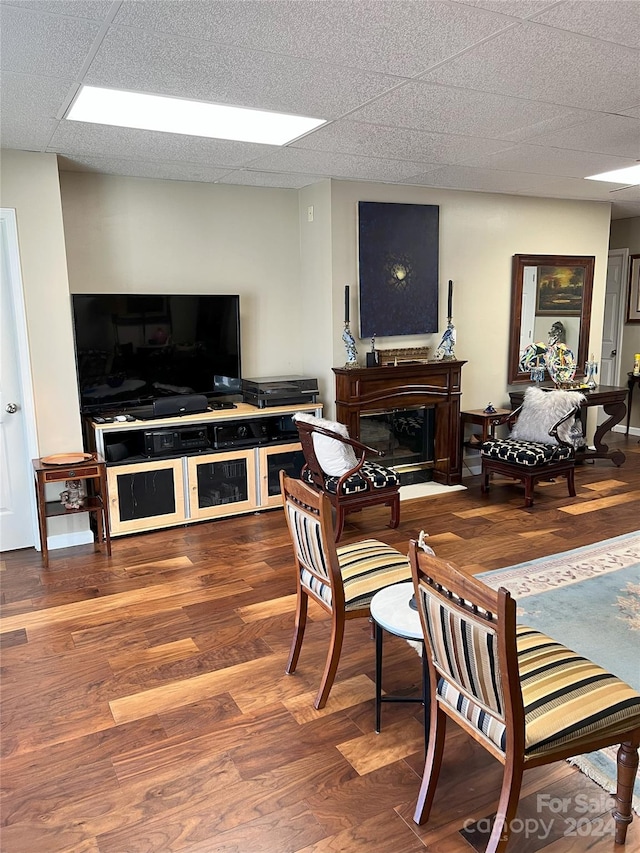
450, 301
346, 303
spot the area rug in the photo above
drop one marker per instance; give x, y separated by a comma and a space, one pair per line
427, 490
589, 600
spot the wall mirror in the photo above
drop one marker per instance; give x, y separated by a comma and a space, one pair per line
551, 296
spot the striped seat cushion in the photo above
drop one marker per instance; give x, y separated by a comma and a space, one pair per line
529, 453
380, 476
565, 697
366, 567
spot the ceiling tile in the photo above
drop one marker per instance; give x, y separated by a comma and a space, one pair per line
48, 45
29, 107
610, 20
396, 143
94, 9
549, 161
139, 169
337, 165
443, 109
396, 37
101, 140
581, 72
148, 62
606, 134
516, 8
249, 178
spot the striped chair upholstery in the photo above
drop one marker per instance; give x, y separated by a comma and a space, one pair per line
526, 698
342, 580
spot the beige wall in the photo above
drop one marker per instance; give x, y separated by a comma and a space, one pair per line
136, 235
479, 234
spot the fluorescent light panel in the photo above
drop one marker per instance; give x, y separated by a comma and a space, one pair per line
193, 118
629, 176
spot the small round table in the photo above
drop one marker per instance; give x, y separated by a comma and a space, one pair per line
391, 611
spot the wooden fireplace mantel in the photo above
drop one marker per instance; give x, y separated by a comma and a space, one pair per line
405, 386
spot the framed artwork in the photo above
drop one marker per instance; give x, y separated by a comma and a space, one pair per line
398, 268
559, 290
633, 300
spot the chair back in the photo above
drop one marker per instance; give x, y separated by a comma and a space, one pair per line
308, 515
470, 639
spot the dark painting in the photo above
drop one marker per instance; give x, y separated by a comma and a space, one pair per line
398, 261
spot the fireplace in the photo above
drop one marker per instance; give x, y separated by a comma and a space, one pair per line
393, 390
406, 437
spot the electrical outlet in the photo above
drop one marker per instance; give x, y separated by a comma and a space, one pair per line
310, 213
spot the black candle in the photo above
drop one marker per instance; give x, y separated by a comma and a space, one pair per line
450, 302
346, 303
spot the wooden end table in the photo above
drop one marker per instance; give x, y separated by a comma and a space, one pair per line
92, 470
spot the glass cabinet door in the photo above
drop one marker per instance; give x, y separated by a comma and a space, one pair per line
286, 456
145, 496
221, 484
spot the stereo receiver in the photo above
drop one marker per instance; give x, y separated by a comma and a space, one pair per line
160, 441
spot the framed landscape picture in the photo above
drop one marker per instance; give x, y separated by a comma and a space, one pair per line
559, 290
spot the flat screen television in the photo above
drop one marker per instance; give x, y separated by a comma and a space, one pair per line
132, 349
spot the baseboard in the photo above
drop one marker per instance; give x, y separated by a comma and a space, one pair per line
68, 540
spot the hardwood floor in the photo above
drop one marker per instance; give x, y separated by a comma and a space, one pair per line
145, 705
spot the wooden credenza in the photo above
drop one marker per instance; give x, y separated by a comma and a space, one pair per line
381, 389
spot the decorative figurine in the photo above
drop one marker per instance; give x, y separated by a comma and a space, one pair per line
490, 409
445, 351
590, 373
350, 344
73, 495
373, 357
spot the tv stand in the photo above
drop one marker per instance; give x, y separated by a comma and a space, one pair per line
181, 469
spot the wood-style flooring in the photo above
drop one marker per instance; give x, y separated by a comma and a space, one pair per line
145, 705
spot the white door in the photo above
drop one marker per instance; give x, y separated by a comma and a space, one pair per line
613, 310
18, 527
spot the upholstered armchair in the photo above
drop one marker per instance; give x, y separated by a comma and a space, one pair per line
527, 699
545, 434
340, 467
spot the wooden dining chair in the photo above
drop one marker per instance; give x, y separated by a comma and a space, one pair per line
525, 698
341, 580
341, 468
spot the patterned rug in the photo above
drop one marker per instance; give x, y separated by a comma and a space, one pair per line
589, 600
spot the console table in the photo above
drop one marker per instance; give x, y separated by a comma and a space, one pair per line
613, 401
406, 386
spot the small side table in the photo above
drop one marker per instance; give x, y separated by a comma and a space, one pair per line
93, 470
390, 611
487, 421
631, 384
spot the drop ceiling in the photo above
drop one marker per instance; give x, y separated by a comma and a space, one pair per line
524, 97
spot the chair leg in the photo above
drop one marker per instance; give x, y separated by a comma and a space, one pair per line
507, 807
627, 769
395, 511
528, 491
333, 658
298, 634
432, 763
484, 484
571, 483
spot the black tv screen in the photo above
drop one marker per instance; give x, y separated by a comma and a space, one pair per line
132, 349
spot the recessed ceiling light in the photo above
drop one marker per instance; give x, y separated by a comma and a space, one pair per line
629, 176
194, 118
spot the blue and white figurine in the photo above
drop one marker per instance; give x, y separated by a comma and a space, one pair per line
445, 347
590, 373
350, 344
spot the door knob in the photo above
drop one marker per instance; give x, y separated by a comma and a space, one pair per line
614, 352
12, 408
